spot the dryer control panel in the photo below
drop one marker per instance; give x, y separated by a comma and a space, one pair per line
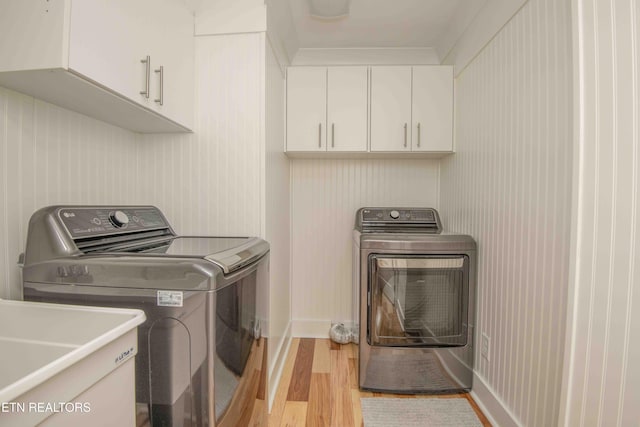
424, 220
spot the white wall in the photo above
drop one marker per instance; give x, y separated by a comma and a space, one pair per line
509, 186
225, 17
365, 56
277, 217
488, 22
49, 155
325, 195
602, 375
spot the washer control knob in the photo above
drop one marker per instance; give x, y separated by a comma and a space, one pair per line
394, 214
119, 219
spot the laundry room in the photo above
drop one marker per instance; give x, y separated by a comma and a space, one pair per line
268, 185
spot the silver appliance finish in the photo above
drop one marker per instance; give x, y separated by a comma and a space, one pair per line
202, 297
414, 302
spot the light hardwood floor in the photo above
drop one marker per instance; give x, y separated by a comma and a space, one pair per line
318, 388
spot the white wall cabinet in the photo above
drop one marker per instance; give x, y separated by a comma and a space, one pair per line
327, 109
390, 108
85, 55
307, 109
412, 109
382, 110
173, 49
432, 109
347, 109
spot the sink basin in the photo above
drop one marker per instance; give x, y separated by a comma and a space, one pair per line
22, 358
54, 353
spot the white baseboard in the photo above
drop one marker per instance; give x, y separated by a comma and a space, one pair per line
277, 366
308, 328
491, 405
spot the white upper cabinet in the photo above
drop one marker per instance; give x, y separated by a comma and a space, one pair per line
390, 108
173, 49
86, 55
105, 52
432, 109
412, 109
401, 110
347, 109
326, 109
307, 109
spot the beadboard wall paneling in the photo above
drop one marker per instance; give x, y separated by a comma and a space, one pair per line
488, 22
509, 186
602, 378
49, 155
209, 182
325, 195
277, 216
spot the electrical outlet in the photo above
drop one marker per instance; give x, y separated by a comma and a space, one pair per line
485, 346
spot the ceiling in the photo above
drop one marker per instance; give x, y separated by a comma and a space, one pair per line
386, 23
417, 24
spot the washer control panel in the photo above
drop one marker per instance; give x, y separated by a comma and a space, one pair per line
119, 219
99, 221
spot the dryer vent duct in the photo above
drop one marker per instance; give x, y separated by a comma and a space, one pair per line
341, 333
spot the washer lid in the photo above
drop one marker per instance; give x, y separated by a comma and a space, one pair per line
202, 246
230, 253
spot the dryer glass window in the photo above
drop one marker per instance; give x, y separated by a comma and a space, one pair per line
418, 300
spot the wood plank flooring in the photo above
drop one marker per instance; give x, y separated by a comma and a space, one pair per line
318, 388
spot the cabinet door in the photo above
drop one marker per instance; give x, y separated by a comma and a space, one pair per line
390, 108
432, 108
306, 108
107, 40
33, 35
347, 109
171, 45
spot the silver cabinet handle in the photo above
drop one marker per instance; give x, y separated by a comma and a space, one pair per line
320, 135
333, 137
161, 99
418, 134
147, 74
405, 134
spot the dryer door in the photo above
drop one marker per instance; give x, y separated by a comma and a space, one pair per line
418, 300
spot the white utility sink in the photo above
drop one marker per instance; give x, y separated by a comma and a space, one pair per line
67, 365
